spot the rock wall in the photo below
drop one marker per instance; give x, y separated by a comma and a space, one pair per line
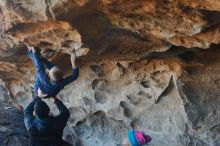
11, 133
152, 63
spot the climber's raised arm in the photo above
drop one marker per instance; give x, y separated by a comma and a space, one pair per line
73, 60
75, 71
34, 55
30, 53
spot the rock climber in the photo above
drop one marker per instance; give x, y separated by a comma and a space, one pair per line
136, 138
49, 85
45, 130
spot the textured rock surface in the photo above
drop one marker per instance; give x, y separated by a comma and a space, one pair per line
147, 65
12, 129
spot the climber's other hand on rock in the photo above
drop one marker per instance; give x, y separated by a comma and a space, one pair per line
81, 52
73, 56
73, 60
